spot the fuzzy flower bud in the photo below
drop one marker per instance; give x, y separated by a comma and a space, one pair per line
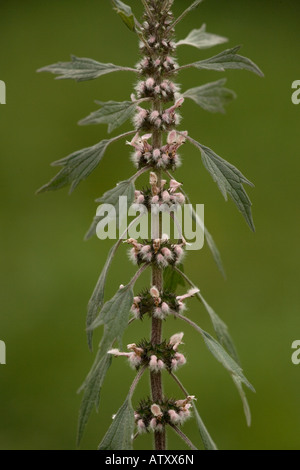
141, 427
174, 185
154, 292
156, 411
174, 417
176, 340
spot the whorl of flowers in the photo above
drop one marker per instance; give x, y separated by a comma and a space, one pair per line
159, 304
165, 157
159, 252
157, 357
151, 416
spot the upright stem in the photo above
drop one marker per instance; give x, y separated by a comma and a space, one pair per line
157, 281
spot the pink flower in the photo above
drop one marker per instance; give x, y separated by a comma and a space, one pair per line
141, 426
165, 308
161, 260
153, 424
156, 411
167, 253
181, 360
176, 340
150, 83
174, 185
153, 363
174, 417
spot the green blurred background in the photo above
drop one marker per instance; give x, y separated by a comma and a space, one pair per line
48, 272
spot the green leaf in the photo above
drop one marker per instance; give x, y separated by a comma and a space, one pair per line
112, 113
119, 435
229, 180
125, 12
228, 59
82, 69
201, 39
92, 388
124, 188
223, 357
209, 239
214, 250
242, 394
96, 301
212, 96
205, 436
221, 329
76, 167
172, 279
114, 316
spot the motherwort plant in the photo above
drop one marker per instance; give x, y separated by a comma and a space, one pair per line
155, 142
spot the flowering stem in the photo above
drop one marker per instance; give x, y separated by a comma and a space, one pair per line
157, 281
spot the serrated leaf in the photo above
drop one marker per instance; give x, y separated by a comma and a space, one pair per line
92, 388
118, 436
172, 279
214, 251
228, 59
124, 188
201, 39
81, 69
205, 436
208, 237
114, 316
229, 180
242, 394
76, 167
112, 113
125, 12
212, 96
223, 357
221, 329
220, 354
96, 301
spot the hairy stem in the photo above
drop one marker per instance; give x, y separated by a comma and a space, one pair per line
157, 280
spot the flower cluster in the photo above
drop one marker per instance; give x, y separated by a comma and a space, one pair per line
165, 198
147, 120
163, 65
159, 304
154, 417
165, 157
159, 252
165, 91
156, 357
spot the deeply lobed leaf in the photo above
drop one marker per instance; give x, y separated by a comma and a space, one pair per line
76, 167
212, 96
81, 69
229, 180
118, 436
201, 39
92, 388
124, 188
112, 113
114, 316
228, 59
